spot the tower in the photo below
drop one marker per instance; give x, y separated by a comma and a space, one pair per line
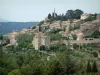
54, 10
40, 40
54, 13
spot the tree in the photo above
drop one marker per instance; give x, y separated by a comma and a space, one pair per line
14, 72
1, 52
68, 65
94, 67
88, 69
24, 40
41, 23
70, 14
58, 17
74, 37
77, 13
49, 16
54, 68
1, 37
96, 34
92, 17
95, 54
20, 61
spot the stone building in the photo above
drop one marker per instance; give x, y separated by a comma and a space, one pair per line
37, 28
98, 17
84, 41
12, 37
80, 36
45, 26
56, 25
76, 23
85, 16
40, 40
26, 30
89, 27
65, 23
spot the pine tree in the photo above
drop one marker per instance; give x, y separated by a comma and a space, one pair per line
94, 67
88, 69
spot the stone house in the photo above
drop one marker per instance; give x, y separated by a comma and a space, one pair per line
40, 40
89, 27
98, 17
26, 30
55, 25
65, 23
76, 23
85, 16
44, 27
37, 28
12, 37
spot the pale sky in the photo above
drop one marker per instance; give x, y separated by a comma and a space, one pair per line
37, 10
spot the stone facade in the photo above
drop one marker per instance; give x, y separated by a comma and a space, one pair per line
98, 17
84, 41
12, 37
76, 23
55, 25
45, 26
89, 27
86, 26
39, 40
85, 16
37, 28
65, 23
26, 30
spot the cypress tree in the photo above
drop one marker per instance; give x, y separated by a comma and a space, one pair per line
94, 67
49, 16
88, 69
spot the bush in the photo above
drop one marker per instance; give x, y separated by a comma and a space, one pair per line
95, 54
25, 40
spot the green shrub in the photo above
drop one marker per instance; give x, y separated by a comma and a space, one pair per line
95, 54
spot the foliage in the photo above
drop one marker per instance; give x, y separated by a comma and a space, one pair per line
54, 36
68, 65
41, 23
14, 72
49, 16
78, 13
5, 66
96, 34
70, 14
58, 47
54, 68
33, 27
20, 61
1, 37
88, 69
24, 40
74, 37
95, 54
94, 67
91, 18
16, 61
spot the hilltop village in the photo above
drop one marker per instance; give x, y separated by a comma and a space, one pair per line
65, 44
78, 31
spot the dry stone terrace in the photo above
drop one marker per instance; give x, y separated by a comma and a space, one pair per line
84, 41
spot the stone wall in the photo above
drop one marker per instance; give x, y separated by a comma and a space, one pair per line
84, 41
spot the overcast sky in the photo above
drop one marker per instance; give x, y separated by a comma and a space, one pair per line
37, 10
